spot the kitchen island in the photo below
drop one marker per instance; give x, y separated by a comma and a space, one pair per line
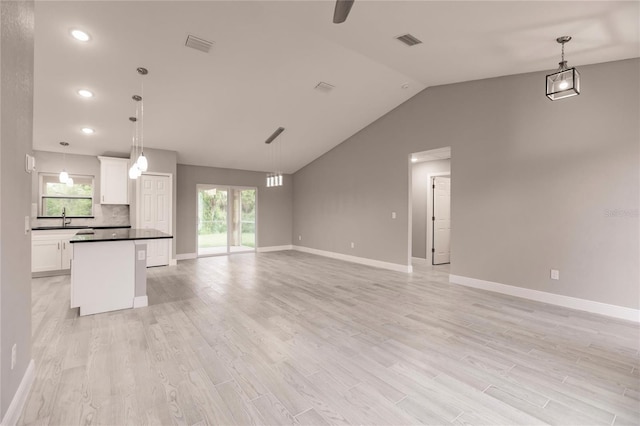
108, 269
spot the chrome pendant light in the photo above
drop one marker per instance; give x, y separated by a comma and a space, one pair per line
275, 178
63, 177
565, 82
142, 162
134, 171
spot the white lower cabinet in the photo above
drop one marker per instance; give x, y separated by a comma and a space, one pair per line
51, 251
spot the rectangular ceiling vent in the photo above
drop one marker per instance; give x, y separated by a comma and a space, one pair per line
324, 87
409, 40
274, 135
198, 43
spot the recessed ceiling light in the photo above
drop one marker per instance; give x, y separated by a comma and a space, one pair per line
88, 130
405, 86
85, 93
80, 35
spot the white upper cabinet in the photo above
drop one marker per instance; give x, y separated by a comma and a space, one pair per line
114, 180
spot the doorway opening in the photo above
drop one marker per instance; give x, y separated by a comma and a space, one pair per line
430, 177
226, 220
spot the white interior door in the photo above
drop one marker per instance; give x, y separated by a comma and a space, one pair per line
155, 213
441, 220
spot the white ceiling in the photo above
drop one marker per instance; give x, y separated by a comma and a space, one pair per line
217, 109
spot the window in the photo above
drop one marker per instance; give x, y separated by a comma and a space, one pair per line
76, 199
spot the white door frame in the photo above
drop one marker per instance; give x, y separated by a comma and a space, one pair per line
172, 261
228, 188
429, 233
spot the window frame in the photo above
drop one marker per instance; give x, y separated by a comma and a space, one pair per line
42, 196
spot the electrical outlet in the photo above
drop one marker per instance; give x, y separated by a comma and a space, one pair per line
555, 274
299, 237
353, 245
14, 352
141, 255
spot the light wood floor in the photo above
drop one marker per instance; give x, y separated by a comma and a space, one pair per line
292, 338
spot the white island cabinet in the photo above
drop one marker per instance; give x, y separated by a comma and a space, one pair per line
108, 269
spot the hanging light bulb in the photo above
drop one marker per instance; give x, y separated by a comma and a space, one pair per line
142, 162
63, 177
134, 172
565, 82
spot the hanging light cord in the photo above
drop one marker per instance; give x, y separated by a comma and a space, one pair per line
142, 113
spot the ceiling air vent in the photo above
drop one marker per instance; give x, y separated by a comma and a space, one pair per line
198, 43
409, 40
324, 87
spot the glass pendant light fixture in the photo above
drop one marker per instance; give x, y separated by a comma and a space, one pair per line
63, 177
142, 162
134, 171
565, 82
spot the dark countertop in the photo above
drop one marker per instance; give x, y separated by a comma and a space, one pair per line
72, 227
119, 234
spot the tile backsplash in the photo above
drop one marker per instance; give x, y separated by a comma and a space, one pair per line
104, 215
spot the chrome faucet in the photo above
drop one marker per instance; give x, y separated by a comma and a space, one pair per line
64, 218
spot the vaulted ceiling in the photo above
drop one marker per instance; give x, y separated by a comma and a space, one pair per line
217, 108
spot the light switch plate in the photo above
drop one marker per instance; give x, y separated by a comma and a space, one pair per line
555, 274
141, 254
393, 215
27, 225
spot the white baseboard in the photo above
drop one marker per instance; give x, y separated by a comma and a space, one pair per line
614, 311
355, 259
20, 398
186, 256
140, 301
274, 248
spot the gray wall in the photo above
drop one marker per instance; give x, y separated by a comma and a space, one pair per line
54, 162
16, 120
421, 205
274, 204
535, 184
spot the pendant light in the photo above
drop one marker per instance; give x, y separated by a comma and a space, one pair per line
63, 177
142, 162
565, 82
275, 178
134, 171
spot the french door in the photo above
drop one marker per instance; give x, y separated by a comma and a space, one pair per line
226, 219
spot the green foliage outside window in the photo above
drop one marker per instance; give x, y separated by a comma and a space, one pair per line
76, 199
213, 208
